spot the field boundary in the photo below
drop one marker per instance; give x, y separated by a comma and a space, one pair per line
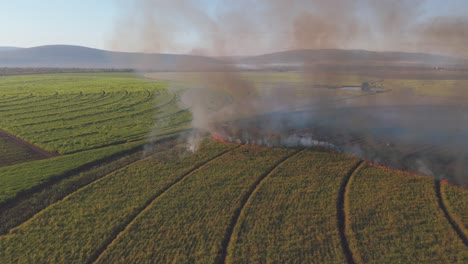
46, 154
341, 211
57, 196
228, 236
55, 179
124, 226
455, 225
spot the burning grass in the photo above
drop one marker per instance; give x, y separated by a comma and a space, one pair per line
376, 134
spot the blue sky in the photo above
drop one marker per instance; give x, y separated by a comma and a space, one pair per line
27, 23
92, 23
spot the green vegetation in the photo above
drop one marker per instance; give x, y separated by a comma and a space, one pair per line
399, 84
74, 112
395, 218
24, 176
24, 71
189, 222
25, 206
256, 204
111, 198
74, 229
88, 117
292, 217
456, 200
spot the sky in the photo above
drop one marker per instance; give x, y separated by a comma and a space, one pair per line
28, 23
135, 25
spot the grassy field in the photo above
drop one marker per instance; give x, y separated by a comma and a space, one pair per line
82, 223
125, 189
442, 87
74, 112
190, 221
292, 215
86, 117
457, 206
24, 176
394, 217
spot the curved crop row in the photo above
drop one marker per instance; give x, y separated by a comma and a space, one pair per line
455, 200
395, 218
73, 229
21, 98
50, 109
6, 98
64, 121
68, 126
292, 216
189, 222
79, 107
41, 102
27, 205
40, 119
35, 100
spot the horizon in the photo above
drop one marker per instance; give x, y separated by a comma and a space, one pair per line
219, 28
210, 56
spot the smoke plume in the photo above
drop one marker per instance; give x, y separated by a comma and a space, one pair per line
383, 126
244, 27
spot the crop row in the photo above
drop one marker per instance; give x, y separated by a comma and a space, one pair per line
292, 216
190, 221
255, 204
395, 218
133, 104
55, 121
455, 200
25, 206
79, 102
19, 178
73, 229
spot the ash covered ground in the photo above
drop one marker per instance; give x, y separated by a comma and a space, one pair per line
423, 139
419, 134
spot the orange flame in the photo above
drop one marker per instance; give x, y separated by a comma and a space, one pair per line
219, 139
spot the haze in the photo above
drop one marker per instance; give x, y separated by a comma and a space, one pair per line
217, 27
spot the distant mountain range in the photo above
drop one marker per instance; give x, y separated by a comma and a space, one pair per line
66, 56
335, 55
3, 48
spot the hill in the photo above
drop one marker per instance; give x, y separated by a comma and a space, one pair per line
336, 55
66, 56
6, 48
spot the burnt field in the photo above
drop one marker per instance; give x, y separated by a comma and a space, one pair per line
420, 139
419, 126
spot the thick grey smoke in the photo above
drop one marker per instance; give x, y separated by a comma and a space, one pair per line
387, 128
243, 27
